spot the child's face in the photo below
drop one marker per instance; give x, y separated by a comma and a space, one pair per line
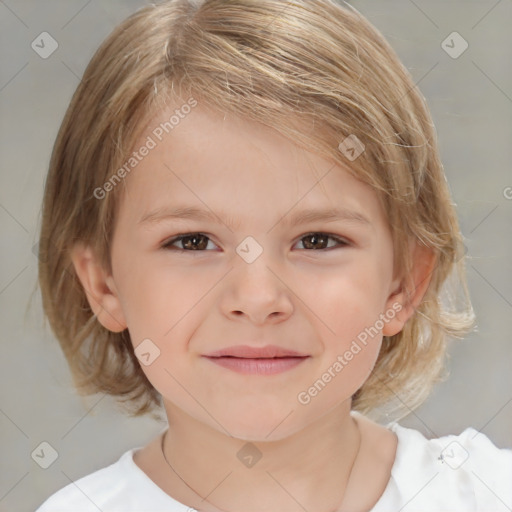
296, 294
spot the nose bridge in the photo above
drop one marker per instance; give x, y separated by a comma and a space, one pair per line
255, 287
255, 260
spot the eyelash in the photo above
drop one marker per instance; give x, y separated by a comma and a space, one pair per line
168, 244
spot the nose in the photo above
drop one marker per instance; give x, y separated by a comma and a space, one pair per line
257, 293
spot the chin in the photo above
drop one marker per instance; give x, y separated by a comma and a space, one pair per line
259, 425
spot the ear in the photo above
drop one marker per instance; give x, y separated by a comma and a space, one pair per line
411, 289
99, 288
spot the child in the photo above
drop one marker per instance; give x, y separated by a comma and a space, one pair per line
246, 222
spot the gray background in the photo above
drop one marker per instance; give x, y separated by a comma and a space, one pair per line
471, 102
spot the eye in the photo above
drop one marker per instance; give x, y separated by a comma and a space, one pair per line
194, 242
314, 240
190, 242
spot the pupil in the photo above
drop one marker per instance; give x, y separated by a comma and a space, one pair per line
315, 239
194, 240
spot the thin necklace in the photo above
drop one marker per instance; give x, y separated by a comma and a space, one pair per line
204, 499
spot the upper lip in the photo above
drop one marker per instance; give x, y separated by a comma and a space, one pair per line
246, 351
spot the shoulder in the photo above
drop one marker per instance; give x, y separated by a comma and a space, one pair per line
120, 487
464, 472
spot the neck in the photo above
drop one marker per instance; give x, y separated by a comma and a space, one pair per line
306, 470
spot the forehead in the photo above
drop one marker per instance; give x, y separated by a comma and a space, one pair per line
219, 161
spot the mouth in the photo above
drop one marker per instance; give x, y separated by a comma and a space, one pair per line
269, 360
248, 352
259, 366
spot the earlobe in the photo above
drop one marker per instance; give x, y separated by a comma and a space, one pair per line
410, 293
99, 288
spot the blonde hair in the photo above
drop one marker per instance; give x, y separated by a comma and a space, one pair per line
279, 63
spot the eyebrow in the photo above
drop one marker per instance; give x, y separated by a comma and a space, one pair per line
301, 217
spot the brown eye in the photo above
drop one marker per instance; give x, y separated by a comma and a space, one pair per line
197, 242
190, 242
320, 241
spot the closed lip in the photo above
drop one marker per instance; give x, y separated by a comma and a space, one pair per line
248, 352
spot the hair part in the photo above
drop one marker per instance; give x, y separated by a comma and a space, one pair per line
288, 65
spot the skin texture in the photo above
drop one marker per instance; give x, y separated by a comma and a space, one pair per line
311, 300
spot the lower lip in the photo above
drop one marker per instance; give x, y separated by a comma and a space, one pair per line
258, 366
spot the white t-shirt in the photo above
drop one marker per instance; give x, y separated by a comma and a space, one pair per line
454, 473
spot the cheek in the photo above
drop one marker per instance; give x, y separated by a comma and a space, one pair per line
348, 300
347, 307
163, 306
159, 297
